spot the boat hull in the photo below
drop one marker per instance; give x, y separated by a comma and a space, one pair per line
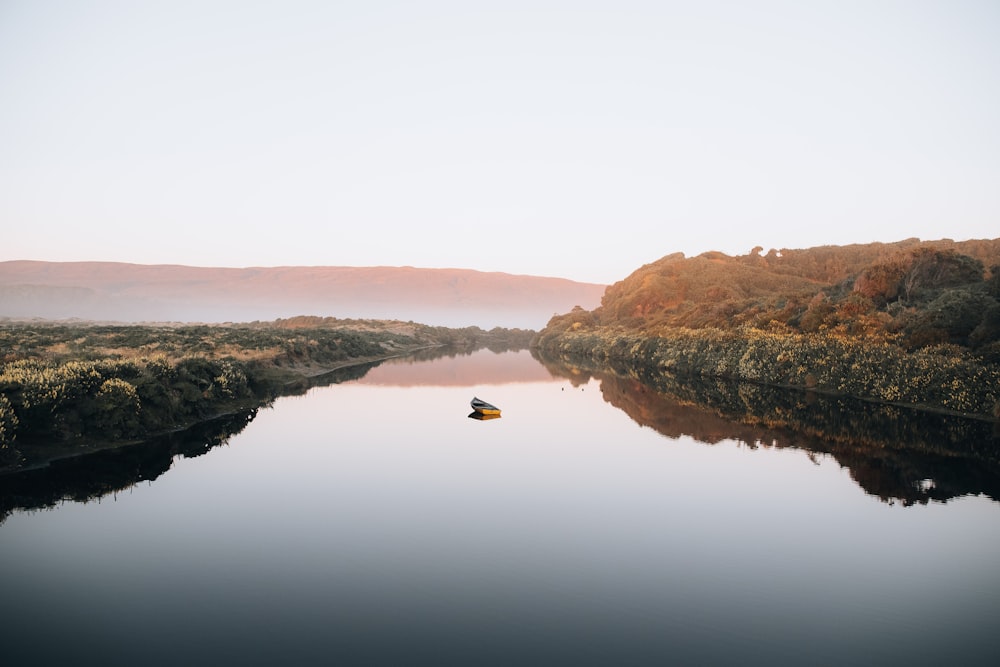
484, 408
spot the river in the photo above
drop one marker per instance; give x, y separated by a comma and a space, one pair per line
372, 521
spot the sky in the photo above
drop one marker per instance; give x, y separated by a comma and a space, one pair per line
575, 139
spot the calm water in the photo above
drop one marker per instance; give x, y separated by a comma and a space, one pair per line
373, 522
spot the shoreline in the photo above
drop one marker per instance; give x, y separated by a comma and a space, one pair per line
879, 374
296, 376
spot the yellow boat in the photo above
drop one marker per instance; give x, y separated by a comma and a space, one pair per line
484, 408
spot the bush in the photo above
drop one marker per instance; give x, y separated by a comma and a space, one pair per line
116, 409
8, 422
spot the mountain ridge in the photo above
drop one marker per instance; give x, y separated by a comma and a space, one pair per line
121, 291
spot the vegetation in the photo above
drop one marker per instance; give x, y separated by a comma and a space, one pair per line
65, 389
907, 323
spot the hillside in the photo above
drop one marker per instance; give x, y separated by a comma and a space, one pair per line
135, 292
915, 293
911, 323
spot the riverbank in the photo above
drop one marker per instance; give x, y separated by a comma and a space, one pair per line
67, 390
943, 378
293, 381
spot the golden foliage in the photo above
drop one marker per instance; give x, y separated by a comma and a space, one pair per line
912, 323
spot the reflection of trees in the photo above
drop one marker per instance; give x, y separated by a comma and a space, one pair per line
432, 353
345, 374
358, 371
84, 478
99, 473
893, 453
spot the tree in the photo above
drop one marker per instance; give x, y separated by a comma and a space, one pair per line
934, 269
882, 282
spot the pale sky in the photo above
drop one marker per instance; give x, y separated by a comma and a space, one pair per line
574, 139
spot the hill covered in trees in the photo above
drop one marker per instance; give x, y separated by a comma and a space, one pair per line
911, 322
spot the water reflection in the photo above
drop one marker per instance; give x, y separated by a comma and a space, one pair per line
102, 473
90, 477
335, 530
893, 453
109, 471
482, 417
458, 369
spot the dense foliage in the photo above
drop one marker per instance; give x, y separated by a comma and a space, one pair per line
66, 385
913, 323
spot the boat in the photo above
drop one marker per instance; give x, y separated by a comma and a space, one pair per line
484, 408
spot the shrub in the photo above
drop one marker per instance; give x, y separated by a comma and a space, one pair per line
116, 409
8, 423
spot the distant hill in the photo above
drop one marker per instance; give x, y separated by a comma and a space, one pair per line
136, 292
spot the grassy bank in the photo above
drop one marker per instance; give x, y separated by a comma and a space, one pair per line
944, 378
71, 388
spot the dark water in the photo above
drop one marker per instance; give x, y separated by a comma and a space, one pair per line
599, 521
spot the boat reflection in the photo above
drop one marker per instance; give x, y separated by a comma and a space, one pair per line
482, 417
